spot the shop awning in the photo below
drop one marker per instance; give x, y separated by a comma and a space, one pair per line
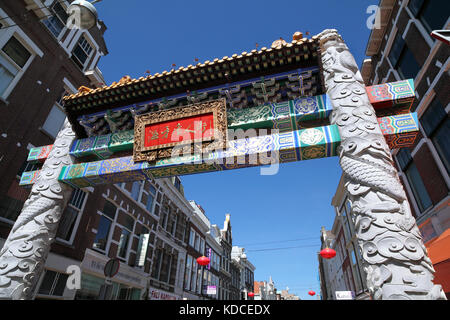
439, 253
439, 248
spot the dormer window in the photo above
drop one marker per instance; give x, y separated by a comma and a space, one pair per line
58, 20
82, 52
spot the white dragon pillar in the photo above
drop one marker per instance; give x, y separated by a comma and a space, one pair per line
395, 258
24, 253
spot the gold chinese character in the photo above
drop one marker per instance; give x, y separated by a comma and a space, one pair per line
154, 135
165, 133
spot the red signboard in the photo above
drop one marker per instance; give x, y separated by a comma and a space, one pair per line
195, 128
198, 127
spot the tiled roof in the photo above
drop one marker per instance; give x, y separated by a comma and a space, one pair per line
279, 54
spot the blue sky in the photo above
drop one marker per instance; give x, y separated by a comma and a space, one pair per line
266, 211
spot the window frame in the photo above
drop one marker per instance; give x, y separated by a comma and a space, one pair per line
51, 9
51, 295
33, 49
112, 226
78, 219
94, 48
405, 164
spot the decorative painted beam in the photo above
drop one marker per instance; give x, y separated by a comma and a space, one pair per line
284, 116
29, 177
103, 146
283, 147
392, 98
39, 154
401, 130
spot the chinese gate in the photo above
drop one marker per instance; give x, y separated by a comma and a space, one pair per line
291, 102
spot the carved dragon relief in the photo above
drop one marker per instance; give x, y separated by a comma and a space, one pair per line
395, 258
24, 253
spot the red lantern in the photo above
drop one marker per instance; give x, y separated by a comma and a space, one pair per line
327, 253
203, 261
311, 293
251, 294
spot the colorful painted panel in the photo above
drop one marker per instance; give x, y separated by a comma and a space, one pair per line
283, 115
39, 154
255, 151
113, 170
29, 177
97, 145
401, 130
392, 98
103, 146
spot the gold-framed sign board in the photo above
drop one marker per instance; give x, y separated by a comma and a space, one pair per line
200, 127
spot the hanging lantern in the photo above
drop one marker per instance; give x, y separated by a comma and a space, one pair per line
203, 261
251, 294
311, 293
327, 253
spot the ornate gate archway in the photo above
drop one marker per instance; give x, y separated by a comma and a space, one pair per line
309, 92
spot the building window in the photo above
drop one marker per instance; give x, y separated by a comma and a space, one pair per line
13, 57
165, 268
54, 121
58, 20
148, 196
108, 216
197, 242
135, 190
174, 224
141, 252
56, 117
157, 264
53, 284
348, 232
82, 52
128, 226
432, 14
194, 277
407, 165
435, 122
407, 64
396, 49
70, 215
402, 59
187, 274
123, 243
192, 238
164, 217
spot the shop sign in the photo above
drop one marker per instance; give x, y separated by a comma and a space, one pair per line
345, 295
97, 265
161, 295
211, 290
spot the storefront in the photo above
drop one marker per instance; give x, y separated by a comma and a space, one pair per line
127, 284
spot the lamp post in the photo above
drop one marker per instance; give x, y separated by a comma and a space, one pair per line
82, 14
